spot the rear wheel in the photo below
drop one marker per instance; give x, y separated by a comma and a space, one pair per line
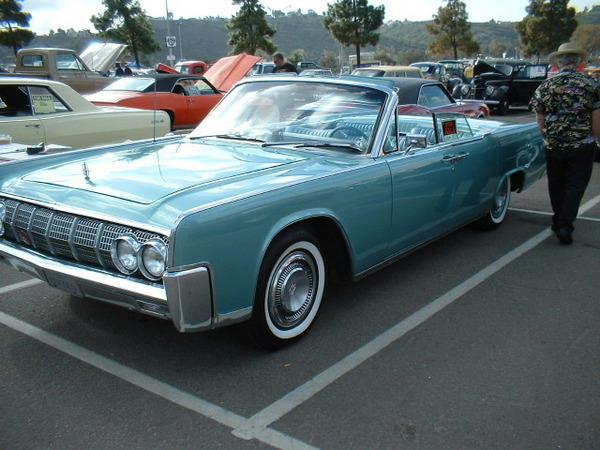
497, 212
289, 291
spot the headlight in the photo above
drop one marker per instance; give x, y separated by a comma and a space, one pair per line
124, 252
489, 90
153, 259
465, 89
2, 216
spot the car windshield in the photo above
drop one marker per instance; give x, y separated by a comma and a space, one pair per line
369, 72
287, 112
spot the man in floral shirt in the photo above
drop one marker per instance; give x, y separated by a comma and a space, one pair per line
567, 108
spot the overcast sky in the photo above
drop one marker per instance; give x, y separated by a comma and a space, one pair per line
65, 14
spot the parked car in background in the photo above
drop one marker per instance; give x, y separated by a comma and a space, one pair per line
288, 184
191, 67
388, 71
85, 73
434, 97
262, 68
502, 83
187, 99
420, 95
438, 72
455, 67
36, 110
306, 65
316, 73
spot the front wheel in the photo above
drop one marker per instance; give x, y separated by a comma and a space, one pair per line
503, 106
289, 291
497, 212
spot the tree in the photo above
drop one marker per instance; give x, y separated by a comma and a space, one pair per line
296, 56
452, 30
354, 22
587, 37
547, 25
126, 21
330, 59
250, 30
11, 21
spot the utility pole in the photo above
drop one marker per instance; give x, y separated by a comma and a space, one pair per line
171, 40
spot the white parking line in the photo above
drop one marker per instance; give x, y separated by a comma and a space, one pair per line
302, 393
257, 426
139, 379
20, 285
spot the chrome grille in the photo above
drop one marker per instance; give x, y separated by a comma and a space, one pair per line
67, 236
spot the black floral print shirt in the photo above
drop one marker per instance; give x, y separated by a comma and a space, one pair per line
567, 100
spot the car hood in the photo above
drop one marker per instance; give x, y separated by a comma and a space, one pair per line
483, 67
156, 182
101, 56
229, 70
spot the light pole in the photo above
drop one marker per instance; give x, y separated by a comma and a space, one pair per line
170, 39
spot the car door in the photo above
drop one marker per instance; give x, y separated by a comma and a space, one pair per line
423, 188
17, 118
473, 161
73, 72
60, 125
525, 82
200, 97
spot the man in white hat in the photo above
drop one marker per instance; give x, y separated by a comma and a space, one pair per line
567, 108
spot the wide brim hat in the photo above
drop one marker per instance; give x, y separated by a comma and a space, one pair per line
567, 49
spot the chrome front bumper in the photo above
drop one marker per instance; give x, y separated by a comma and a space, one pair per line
186, 297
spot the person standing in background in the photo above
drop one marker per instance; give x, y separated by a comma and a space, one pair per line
567, 108
123, 70
282, 65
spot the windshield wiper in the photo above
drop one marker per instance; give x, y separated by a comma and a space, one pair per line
330, 145
236, 137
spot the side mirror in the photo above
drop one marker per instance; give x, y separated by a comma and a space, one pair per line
413, 141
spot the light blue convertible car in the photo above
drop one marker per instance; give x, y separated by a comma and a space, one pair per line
289, 184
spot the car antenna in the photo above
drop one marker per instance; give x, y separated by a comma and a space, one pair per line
154, 109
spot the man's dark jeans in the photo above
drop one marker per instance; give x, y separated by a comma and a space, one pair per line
569, 172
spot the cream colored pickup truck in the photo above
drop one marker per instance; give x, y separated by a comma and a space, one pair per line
86, 73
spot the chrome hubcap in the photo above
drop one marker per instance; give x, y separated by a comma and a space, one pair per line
292, 289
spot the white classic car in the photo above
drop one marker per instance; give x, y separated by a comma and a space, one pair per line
34, 111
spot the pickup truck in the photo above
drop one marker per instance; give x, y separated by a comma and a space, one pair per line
86, 73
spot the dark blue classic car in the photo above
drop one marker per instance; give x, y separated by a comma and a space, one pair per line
288, 184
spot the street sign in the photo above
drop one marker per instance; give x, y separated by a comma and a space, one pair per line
171, 41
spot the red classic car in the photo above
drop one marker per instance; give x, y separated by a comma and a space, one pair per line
186, 98
434, 97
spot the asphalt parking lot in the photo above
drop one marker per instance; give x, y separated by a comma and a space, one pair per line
478, 341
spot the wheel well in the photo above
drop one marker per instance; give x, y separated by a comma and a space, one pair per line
334, 245
516, 181
171, 117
